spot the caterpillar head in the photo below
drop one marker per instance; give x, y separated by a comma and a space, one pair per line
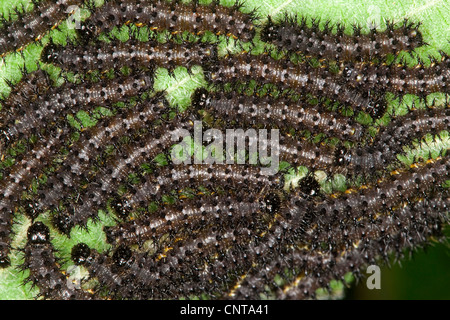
200, 99
80, 253
38, 233
269, 32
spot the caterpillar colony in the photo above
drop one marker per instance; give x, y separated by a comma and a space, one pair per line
86, 143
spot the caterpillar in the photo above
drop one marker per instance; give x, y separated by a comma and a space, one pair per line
32, 26
125, 122
412, 125
150, 275
304, 153
296, 37
92, 143
308, 260
45, 273
71, 98
341, 234
252, 285
365, 160
189, 214
108, 271
175, 17
98, 265
181, 257
319, 262
29, 88
19, 178
390, 140
221, 271
399, 78
364, 254
245, 178
20, 174
104, 56
300, 78
225, 264
6, 217
117, 170
283, 113
404, 129
384, 194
